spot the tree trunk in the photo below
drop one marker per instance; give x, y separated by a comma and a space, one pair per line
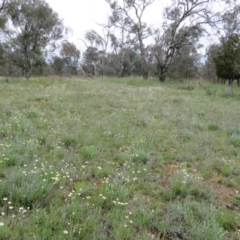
93, 70
162, 74
28, 74
143, 55
144, 66
121, 69
167, 62
145, 75
162, 77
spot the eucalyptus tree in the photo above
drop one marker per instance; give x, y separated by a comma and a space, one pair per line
89, 62
126, 63
186, 63
209, 68
131, 12
70, 56
3, 5
185, 21
58, 65
122, 43
34, 29
7, 66
97, 45
231, 21
68, 59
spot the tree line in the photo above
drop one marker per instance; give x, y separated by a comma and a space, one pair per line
34, 41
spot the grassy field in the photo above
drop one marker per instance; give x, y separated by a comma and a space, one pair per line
118, 159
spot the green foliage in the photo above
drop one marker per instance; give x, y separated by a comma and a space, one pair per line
88, 152
213, 126
68, 61
140, 157
235, 140
191, 220
228, 57
70, 141
228, 220
58, 65
2, 22
185, 64
184, 185
35, 26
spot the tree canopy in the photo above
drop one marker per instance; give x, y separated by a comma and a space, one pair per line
33, 30
33, 38
228, 58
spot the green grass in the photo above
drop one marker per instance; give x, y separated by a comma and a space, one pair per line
109, 158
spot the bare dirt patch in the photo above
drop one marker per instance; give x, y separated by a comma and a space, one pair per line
171, 169
223, 194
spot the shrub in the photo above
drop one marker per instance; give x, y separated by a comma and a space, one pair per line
235, 140
88, 152
70, 141
183, 185
191, 220
213, 126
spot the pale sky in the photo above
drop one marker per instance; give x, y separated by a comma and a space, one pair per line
82, 15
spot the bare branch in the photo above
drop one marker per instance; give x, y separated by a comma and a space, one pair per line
3, 5
186, 20
132, 12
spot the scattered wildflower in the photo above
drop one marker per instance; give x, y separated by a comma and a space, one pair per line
65, 231
1, 224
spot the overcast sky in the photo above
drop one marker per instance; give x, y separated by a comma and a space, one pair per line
82, 15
